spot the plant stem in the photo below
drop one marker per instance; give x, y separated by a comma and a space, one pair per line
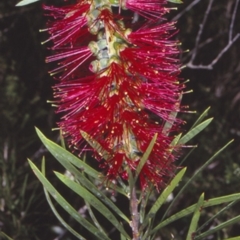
134, 214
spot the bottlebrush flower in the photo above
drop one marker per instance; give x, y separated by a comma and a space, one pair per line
118, 85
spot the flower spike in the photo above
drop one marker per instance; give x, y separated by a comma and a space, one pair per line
118, 83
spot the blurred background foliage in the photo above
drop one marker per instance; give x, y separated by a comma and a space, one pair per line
25, 86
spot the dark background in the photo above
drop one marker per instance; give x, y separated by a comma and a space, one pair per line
25, 86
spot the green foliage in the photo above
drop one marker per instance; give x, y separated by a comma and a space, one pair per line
162, 198
83, 180
219, 227
67, 158
64, 204
194, 131
195, 218
64, 223
92, 200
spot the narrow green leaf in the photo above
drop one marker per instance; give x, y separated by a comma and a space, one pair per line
130, 179
94, 219
195, 218
65, 205
22, 192
61, 220
145, 157
92, 200
168, 125
186, 156
193, 132
218, 227
5, 236
202, 116
176, 140
76, 234
172, 118
122, 237
162, 198
233, 238
189, 210
62, 155
67, 159
123, 187
25, 2
216, 215
98, 193
194, 177
176, 1
146, 235
90, 186
24, 186
94, 144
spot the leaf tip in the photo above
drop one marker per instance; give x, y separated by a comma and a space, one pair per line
25, 2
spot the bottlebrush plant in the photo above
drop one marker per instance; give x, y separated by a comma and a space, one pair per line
118, 92
128, 89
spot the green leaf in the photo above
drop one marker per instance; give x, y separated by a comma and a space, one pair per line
76, 234
84, 181
64, 156
189, 210
94, 219
5, 235
95, 145
218, 227
90, 186
122, 237
172, 118
195, 176
162, 198
23, 190
131, 181
176, 1
193, 132
92, 200
65, 205
233, 238
145, 157
67, 159
168, 125
202, 116
195, 218
216, 215
61, 220
176, 140
25, 2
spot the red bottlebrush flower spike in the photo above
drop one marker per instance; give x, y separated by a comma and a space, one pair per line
129, 88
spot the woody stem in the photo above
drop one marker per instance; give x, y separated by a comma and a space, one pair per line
134, 214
